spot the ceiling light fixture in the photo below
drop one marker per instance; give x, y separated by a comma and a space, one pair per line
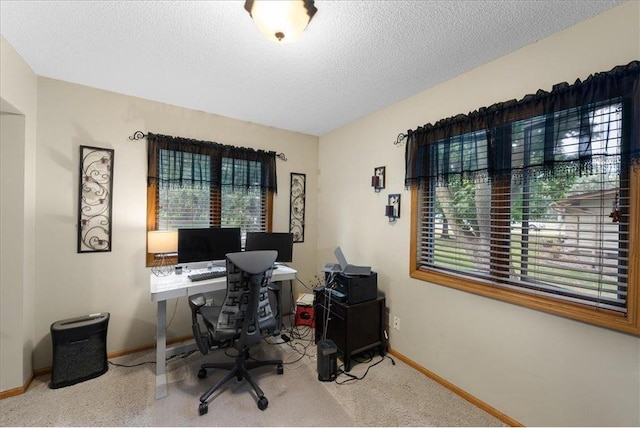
281, 21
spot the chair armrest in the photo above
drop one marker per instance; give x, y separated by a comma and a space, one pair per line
202, 340
196, 301
274, 286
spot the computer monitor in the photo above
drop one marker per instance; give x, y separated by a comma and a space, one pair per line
207, 244
281, 242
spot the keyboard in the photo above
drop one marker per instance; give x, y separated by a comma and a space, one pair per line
201, 276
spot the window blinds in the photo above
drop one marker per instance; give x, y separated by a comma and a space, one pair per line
556, 224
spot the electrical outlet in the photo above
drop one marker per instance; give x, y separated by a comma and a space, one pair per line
396, 323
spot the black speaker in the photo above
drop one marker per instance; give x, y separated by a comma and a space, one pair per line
327, 360
79, 349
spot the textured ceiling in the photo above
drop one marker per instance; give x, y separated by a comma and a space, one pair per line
355, 57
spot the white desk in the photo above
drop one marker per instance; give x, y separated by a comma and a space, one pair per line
173, 286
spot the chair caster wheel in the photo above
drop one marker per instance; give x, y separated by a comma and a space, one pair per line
202, 373
280, 369
263, 403
239, 377
203, 409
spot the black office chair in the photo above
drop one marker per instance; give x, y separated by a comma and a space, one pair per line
240, 322
276, 289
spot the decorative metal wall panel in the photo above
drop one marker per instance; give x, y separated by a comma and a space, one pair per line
94, 199
296, 213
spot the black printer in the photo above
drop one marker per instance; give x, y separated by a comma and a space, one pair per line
355, 289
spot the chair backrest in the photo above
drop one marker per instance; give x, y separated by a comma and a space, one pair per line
246, 309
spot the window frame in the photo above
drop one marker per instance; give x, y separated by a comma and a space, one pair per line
629, 323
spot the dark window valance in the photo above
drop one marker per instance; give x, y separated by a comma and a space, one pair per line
478, 144
177, 161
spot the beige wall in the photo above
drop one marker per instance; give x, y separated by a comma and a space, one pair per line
536, 368
18, 88
539, 369
70, 284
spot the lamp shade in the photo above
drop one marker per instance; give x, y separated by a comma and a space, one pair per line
281, 21
162, 241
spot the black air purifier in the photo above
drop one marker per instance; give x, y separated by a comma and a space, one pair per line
327, 360
79, 349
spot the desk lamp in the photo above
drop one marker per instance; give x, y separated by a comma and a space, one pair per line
160, 243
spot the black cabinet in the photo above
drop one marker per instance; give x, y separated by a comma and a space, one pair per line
353, 328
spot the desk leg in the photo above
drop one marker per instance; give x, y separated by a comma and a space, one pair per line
292, 309
161, 350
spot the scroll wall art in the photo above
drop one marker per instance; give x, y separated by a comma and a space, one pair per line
94, 199
296, 212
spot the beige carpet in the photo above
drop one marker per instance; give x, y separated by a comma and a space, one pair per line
398, 395
296, 398
389, 395
125, 397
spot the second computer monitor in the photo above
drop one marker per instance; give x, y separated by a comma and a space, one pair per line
281, 242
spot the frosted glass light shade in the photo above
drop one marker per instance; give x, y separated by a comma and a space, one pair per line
162, 241
279, 20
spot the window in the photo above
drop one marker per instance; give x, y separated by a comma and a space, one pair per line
193, 205
243, 207
199, 184
540, 210
189, 205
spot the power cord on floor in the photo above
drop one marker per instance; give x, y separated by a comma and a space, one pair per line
131, 365
353, 378
299, 340
173, 357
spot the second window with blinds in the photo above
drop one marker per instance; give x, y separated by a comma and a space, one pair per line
536, 202
562, 235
